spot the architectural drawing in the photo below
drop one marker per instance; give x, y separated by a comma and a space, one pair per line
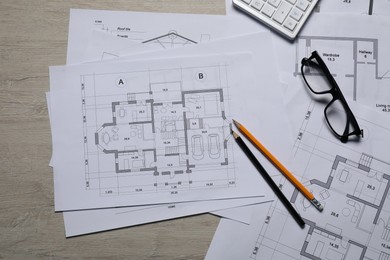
360, 210
167, 130
369, 7
171, 39
354, 190
353, 62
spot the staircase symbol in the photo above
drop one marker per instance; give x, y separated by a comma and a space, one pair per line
384, 256
365, 160
172, 150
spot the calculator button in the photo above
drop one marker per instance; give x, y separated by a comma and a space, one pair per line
290, 24
282, 12
274, 3
257, 4
302, 4
285, 16
268, 10
296, 14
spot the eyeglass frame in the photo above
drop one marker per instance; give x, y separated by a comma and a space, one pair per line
336, 93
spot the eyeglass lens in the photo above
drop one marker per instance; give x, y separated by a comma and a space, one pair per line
315, 77
337, 118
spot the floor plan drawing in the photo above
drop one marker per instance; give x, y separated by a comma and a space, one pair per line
362, 210
354, 189
354, 64
167, 130
369, 7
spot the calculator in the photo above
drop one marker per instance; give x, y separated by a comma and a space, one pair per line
285, 16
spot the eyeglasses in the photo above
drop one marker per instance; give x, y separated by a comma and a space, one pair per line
320, 81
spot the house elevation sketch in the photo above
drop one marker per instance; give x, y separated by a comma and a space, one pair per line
174, 30
354, 63
352, 185
162, 130
173, 39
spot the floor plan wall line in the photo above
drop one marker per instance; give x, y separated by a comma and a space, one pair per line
169, 134
354, 190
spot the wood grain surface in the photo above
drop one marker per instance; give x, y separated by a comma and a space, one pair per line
33, 36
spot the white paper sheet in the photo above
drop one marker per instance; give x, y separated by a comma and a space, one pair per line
104, 46
100, 170
381, 7
355, 49
242, 214
86, 222
351, 180
371, 7
266, 241
83, 222
173, 30
249, 43
234, 240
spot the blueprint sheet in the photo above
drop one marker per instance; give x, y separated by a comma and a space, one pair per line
80, 221
365, 7
153, 131
118, 24
351, 180
102, 46
355, 49
83, 222
176, 30
353, 226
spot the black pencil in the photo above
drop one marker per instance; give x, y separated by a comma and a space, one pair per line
269, 180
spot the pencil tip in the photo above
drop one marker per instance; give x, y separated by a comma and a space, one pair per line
317, 204
302, 224
236, 123
235, 135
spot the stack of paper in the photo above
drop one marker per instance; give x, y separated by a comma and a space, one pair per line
351, 180
141, 127
141, 118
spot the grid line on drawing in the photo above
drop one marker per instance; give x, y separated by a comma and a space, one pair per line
84, 131
354, 190
354, 63
262, 235
157, 125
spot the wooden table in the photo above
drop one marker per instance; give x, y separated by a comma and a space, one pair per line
33, 36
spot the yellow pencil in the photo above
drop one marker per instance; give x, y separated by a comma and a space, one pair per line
279, 165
